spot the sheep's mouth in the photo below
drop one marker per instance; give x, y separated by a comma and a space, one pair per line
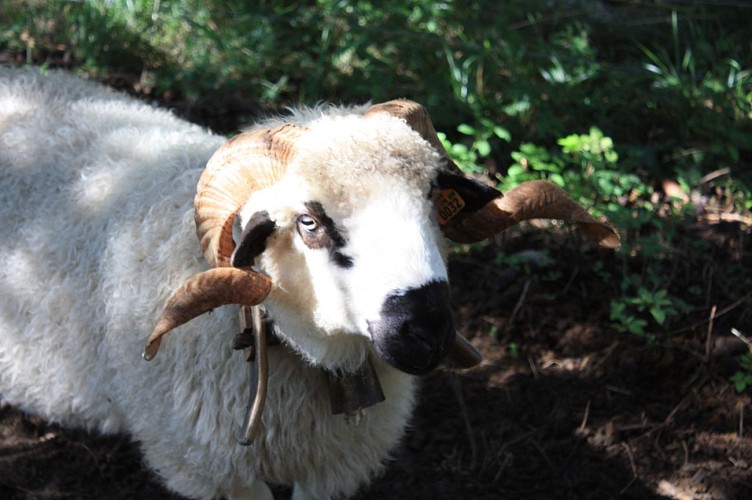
415, 331
416, 357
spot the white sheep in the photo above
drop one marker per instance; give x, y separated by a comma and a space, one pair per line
335, 218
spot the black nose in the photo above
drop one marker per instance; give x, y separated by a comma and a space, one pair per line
415, 330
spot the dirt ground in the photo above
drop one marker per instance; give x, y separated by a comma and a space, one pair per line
563, 407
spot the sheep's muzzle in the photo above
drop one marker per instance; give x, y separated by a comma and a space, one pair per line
415, 331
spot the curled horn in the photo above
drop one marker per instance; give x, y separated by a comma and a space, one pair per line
245, 164
202, 293
529, 200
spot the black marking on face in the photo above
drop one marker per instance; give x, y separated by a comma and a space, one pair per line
323, 233
253, 239
475, 194
342, 260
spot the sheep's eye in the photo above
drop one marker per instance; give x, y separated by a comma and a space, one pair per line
307, 223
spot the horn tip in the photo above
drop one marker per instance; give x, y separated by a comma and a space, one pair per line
602, 233
612, 242
464, 355
151, 349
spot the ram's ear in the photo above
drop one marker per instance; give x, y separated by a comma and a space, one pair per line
460, 194
253, 239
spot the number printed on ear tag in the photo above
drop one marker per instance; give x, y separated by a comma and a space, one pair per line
449, 203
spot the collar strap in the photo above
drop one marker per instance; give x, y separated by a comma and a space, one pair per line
253, 341
246, 339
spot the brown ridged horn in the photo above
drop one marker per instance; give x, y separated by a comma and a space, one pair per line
245, 164
529, 200
204, 292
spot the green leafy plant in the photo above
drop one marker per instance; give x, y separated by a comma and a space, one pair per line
624, 321
586, 164
628, 312
742, 379
468, 156
532, 162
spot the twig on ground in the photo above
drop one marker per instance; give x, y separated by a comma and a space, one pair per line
714, 175
742, 337
583, 424
686, 397
708, 273
660, 426
741, 419
544, 455
685, 447
520, 301
734, 305
533, 368
710, 333
509, 444
572, 276
603, 356
457, 389
632, 464
717, 315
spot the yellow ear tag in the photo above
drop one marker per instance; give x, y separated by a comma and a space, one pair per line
449, 203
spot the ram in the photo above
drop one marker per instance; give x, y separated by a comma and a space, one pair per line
326, 229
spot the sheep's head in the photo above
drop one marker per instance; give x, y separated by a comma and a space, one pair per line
341, 222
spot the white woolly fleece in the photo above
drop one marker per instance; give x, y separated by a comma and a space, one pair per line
96, 199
